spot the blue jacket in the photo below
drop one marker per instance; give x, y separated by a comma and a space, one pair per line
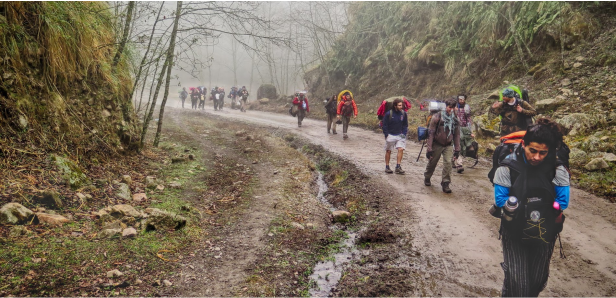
398, 125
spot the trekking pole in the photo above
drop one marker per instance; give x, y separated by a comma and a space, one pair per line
422, 145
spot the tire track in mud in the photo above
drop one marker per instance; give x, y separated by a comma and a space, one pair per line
453, 232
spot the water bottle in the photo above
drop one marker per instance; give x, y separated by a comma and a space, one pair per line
509, 208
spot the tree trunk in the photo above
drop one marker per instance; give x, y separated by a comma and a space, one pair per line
129, 20
145, 56
170, 54
148, 116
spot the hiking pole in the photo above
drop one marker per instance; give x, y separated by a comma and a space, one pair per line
422, 145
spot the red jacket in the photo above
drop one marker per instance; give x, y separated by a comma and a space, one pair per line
297, 102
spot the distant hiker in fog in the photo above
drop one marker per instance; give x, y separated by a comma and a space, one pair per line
346, 109
194, 97
444, 129
395, 127
301, 102
330, 110
513, 112
183, 96
202, 95
221, 98
531, 190
463, 111
243, 94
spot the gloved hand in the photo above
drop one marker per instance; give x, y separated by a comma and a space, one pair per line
386, 137
429, 154
456, 154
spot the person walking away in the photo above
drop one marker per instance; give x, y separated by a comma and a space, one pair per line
214, 98
346, 109
330, 110
513, 112
183, 96
302, 107
444, 129
463, 112
395, 127
202, 95
535, 181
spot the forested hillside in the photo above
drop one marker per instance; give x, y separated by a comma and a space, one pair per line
563, 52
60, 89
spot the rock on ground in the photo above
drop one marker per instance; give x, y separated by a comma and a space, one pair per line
167, 283
129, 232
150, 182
49, 198
341, 216
123, 191
127, 179
596, 164
114, 273
51, 219
139, 197
15, 213
163, 220
17, 231
108, 233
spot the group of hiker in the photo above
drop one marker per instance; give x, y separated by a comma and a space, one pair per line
339, 109
530, 170
238, 96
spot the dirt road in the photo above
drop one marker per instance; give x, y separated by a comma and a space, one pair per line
454, 231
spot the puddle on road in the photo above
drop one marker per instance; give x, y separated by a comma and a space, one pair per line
327, 274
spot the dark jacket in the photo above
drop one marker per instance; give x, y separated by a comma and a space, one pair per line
510, 115
330, 107
437, 133
398, 124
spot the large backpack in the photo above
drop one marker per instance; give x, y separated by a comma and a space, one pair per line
508, 144
347, 108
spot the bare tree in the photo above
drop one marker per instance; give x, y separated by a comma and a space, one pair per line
127, 24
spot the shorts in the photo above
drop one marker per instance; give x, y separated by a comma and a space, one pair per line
395, 142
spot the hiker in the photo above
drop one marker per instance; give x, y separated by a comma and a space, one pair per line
384, 107
395, 127
214, 98
514, 112
330, 110
538, 182
194, 97
202, 95
221, 98
301, 102
183, 96
243, 93
346, 109
463, 112
444, 129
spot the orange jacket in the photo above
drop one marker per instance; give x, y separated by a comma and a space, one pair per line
341, 103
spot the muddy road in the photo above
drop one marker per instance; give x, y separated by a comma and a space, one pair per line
453, 232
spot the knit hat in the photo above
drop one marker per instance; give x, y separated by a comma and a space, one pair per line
508, 93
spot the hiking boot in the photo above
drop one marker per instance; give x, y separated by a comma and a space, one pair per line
345, 136
334, 132
427, 182
399, 170
328, 131
446, 188
459, 169
388, 170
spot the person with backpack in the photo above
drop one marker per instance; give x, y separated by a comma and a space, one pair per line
463, 112
513, 111
395, 128
221, 98
243, 94
387, 105
194, 97
444, 129
330, 110
183, 96
301, 101
346, 109
531, 190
